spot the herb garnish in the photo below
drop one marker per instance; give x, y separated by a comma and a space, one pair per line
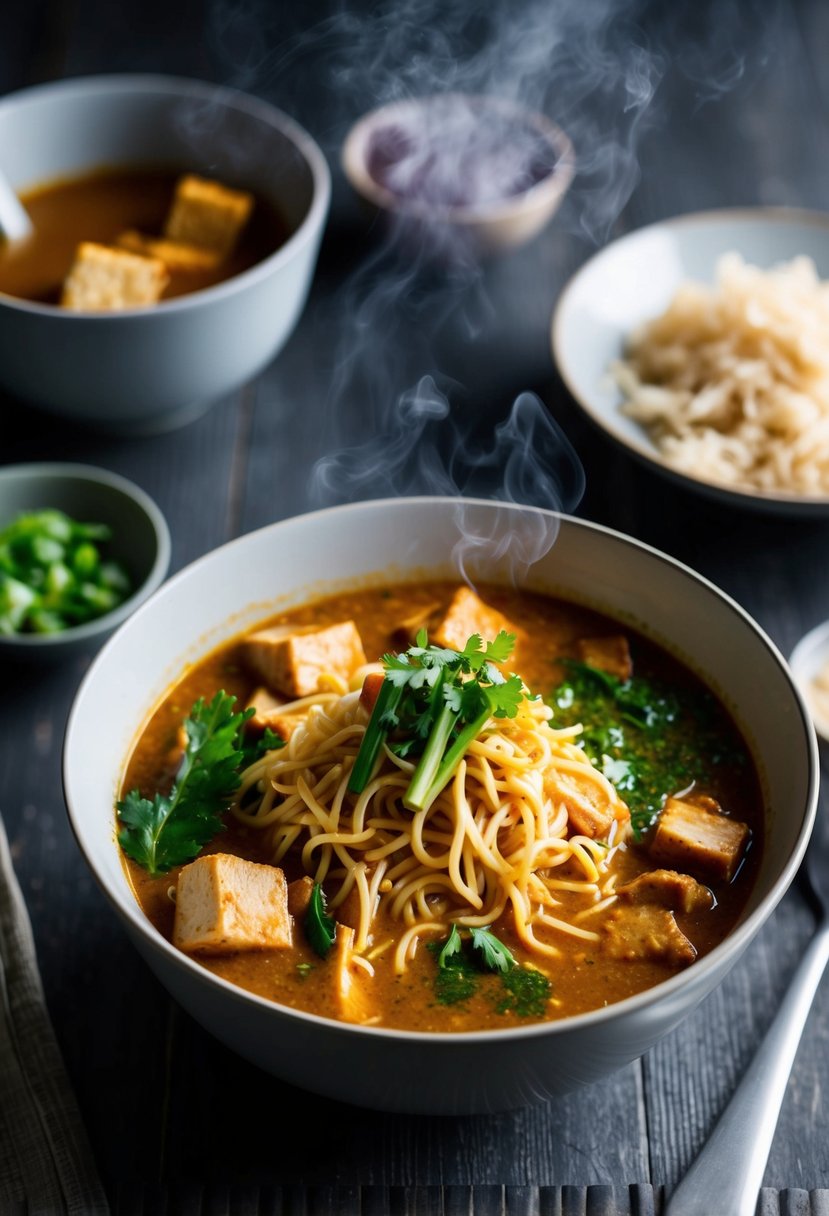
464, 964
433, 702
53, 573
646, 741
170, 829
320, 928
493, 953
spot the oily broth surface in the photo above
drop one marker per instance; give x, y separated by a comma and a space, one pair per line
101, 205
583, 979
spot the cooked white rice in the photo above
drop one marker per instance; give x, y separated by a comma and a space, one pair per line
732, 381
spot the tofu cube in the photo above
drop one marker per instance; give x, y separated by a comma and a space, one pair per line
692, 837
225, 904
267, 715
207, 214
107, 280
466, 615
291, 661
610, 654
177, 257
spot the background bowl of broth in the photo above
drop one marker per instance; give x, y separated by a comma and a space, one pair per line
93, 157
371, 545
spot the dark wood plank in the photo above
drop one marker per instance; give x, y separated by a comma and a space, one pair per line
485, 336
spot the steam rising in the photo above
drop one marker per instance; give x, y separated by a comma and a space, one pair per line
595, 68
529, 461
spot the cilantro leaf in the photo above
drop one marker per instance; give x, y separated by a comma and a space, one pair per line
451, 947
494, 955
170, 829
433, 702
320, 928
253, 749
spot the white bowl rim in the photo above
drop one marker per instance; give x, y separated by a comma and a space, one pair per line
810, 653
127, 906
159, 83
642, 449
92, 474
353, 160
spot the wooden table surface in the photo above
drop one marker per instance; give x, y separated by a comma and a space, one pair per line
739, 115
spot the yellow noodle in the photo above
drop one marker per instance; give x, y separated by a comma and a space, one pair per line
489, 846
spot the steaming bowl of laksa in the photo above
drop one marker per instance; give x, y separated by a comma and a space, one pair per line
440, 805
175, 231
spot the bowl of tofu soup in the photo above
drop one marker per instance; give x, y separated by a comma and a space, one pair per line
174, 232
440, 805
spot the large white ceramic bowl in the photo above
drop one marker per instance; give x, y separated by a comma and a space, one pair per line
287, 563
154, 368
633, 279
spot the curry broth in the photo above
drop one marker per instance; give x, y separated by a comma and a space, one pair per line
583, 979
99, 207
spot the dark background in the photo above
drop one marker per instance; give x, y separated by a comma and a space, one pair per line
672, 108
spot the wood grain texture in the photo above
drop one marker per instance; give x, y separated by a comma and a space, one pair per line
179, 1125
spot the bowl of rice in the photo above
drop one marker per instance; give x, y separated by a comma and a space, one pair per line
699, 344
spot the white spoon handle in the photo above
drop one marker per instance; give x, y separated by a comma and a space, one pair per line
14, 218
728, 1173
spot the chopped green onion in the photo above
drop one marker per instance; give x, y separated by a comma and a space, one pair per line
53, 576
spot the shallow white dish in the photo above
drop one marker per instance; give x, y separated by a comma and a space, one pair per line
634, 279
302, 558
809, 659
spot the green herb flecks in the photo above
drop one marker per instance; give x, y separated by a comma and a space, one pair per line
526, 992
481, 963
54, 574
646, 740
170, 829
254, 748
433, 702
457, 976
320, 928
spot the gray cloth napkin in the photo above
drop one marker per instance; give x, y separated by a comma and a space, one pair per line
46, 1165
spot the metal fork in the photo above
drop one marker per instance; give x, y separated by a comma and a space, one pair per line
727, 1175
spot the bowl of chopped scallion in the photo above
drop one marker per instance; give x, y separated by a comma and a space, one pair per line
80, 549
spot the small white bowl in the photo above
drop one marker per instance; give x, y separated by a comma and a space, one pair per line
489, 227
152, 369
290, 562
633, 280
140, 541
809, 659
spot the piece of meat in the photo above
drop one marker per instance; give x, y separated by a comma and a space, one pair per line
267, 715
351, 998
669, 889
645, 933
299, 896
291, 660
693, 837
466, 615
587, 817
225, 904
610, 654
